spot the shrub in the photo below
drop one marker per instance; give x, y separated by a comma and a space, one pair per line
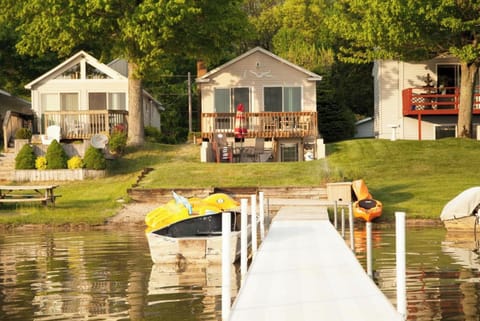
23, 133
94, 159
41, 163
118, 141
152, 134
75, 162
56, 156
25, 158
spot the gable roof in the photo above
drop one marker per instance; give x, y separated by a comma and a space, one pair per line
311, 75
76, 58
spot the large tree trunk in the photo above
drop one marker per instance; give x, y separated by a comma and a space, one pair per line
464, 125
136, 136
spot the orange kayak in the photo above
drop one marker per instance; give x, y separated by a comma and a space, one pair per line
365, 207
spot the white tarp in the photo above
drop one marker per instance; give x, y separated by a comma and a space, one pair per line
462, 205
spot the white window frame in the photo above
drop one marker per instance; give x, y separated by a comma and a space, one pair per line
284, 93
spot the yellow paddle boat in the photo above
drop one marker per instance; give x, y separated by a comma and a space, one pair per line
189, 230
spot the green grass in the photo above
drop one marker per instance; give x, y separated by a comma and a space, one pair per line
417, 177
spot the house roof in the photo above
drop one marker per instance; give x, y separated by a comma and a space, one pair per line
71, 62
311, 75
9, 102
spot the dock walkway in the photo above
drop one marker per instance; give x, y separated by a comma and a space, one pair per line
304, 271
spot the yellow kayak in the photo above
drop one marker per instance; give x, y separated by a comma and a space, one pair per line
181, 208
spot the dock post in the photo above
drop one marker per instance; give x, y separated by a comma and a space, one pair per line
351, 227
401, 264
368, 226
335, 207
226, 264
243, 238
254, 224
343, 222
261, 202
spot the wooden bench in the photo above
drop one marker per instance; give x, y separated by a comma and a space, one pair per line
26, 193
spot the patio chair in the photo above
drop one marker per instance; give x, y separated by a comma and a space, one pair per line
52, 132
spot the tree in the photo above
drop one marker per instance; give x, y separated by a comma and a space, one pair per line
412, 30
146, 33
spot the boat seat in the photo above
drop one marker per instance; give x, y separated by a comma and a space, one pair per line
367, 203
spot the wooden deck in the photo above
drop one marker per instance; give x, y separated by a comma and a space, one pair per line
305, 271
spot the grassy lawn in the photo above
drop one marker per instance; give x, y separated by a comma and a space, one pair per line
418, 177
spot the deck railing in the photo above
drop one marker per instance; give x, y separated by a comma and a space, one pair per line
85, 123
434, 101
264, 124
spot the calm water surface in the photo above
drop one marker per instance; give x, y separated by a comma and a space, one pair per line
108, 275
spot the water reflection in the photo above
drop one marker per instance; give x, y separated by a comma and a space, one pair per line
99, 275
108, 275
442, 272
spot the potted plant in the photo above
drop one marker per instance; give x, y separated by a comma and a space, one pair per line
22, 137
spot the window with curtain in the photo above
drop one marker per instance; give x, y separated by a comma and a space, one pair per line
286, 99
97, 101
69, 101
292, 99
117, 101
50, 102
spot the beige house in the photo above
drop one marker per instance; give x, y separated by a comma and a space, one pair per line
419, 100
85, 97
279, 118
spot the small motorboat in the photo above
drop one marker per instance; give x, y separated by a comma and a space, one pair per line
461, 212
189, 231
365, 207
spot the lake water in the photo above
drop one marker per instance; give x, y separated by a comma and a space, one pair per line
108, 275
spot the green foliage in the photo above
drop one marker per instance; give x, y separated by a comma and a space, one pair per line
23, 133
41, 163
25, 158
118, 141
56, 156
94, 159
75, 162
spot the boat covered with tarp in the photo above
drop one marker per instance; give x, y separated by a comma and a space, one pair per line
461, 212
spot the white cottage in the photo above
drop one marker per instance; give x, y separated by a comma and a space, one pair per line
85, 97
279, 117
419, 100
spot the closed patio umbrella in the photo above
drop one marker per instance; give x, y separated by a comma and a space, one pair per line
240, 123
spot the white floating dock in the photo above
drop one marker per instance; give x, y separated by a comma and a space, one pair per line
303, 270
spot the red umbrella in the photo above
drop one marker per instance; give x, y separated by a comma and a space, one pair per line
240, 123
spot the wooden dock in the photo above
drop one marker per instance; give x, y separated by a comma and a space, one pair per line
304, 271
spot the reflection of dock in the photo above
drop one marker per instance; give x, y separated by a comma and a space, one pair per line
305, 271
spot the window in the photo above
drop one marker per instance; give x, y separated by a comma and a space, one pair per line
443, 131
102, 101
117, 101
68, 101
227, 99
50, 102
289, 152
222, 100
97, 101
286, 99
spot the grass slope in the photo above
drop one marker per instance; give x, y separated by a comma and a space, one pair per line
417, 177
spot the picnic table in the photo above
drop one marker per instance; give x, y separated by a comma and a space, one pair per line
28, 193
